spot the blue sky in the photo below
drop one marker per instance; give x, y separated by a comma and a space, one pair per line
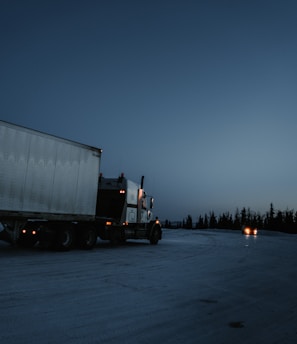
198, 96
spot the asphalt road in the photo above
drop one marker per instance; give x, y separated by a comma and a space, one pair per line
193, 287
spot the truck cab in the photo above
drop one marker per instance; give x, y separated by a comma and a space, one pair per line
125, 211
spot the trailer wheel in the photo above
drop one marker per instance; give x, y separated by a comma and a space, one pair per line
87, 238
47, 238
155, 235
65, 238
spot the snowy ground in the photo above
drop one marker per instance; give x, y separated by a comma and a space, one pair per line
194, 287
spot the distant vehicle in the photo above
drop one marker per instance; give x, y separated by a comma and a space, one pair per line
52, 192
249, 230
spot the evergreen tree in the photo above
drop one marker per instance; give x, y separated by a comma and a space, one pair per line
279, 219
212, 220
271, 221
289, 221
189, 222
200, 223
243, 217
259, 221
236, 223
206, 223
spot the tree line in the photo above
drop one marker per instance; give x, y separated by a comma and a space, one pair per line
275, 220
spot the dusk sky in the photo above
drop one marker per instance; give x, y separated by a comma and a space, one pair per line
198, 96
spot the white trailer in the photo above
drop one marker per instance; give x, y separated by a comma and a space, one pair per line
44, 176
49, 192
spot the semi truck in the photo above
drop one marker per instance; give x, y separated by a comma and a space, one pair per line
52, 194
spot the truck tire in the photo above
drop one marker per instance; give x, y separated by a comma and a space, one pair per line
87, 238
155, 235
47, 238
65, 238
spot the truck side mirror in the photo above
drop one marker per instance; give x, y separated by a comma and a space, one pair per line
151, 203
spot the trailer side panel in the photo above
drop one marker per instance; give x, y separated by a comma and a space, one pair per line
41, 173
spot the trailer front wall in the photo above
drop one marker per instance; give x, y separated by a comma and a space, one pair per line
46, 174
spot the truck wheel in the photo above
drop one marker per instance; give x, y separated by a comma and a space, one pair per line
155, 236
87, 238
64, 238
47, 238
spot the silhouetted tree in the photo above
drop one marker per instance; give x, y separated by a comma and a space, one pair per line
259, 221
225, 221
200, 223
243, 217
189, 222
279, 219
236, 223
270, 220
212, 220
289, 221
206, 222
